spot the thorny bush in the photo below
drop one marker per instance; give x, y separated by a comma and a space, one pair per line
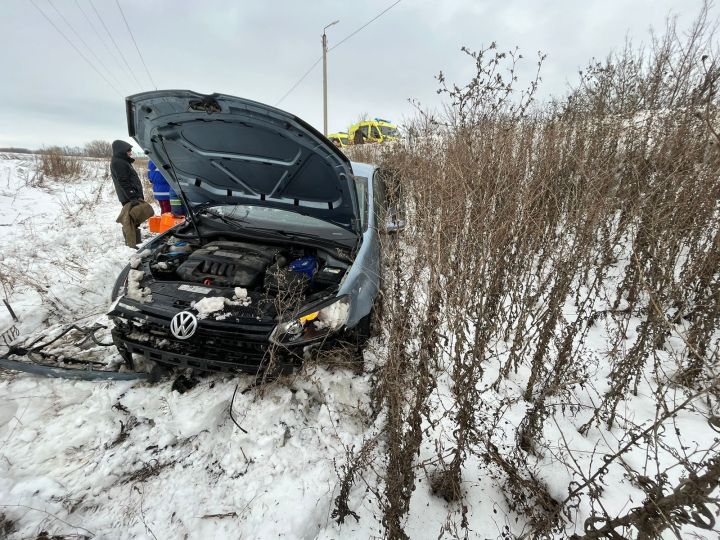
533, 228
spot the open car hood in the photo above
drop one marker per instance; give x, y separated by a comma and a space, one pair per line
227, 150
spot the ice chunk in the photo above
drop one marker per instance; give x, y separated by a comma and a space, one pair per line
332, 316
240, 293
134, 290
136, 259
241, 297
206, 306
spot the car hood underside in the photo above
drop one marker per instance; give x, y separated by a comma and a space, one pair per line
222, 149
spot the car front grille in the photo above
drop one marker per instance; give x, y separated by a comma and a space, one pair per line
214, 349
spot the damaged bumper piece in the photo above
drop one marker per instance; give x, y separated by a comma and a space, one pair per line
44, 370
48, 356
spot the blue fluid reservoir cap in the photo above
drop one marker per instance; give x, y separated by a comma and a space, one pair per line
180, 247
305, 265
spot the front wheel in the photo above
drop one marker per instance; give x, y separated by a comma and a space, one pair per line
359, 336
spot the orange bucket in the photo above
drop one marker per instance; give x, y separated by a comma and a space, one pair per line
163, 222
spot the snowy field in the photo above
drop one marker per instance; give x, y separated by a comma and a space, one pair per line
134, 460
141, 460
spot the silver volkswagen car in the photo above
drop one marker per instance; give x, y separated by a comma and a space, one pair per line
280, 250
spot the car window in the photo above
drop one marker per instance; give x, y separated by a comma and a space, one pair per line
375, 134
389, 131
394, 199
379, 200
361, 134
361, 186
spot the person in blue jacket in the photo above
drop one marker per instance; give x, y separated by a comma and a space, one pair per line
161, 188
176, 205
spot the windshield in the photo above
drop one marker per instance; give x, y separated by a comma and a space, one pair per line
248, 216
388, 131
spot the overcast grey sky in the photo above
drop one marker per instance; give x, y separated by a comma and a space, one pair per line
258, 50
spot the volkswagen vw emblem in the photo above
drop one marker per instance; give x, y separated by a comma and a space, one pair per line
183, 325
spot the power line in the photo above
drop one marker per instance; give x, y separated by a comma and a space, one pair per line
136, 45
115, 43
74, 47
376, 17
299, 81
84, 43
102, 39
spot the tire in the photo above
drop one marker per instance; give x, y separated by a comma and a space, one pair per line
363, 331
359, 337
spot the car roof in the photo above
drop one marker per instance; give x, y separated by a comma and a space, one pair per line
363, 169
372, 123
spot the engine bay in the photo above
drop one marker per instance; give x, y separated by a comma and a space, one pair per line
268, 270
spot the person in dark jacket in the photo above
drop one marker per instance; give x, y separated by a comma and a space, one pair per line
129, 191
127, 182
360, 135
161, 188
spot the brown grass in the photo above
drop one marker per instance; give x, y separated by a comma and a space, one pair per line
605, 204
54, 163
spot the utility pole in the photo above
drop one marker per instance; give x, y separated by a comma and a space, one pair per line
324, 47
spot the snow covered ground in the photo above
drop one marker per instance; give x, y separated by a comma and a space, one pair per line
141, 460
137, 460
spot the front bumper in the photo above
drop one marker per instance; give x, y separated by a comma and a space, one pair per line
177, 360
216, 348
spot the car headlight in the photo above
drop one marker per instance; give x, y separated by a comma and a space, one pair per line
312, 324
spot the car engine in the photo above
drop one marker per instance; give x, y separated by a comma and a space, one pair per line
270, 270
227, 264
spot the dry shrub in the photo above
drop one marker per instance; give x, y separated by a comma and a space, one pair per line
603, 204
57, 164
7, 526
98, 149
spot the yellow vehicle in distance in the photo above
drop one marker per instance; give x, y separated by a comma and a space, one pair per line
373, 131
339, 139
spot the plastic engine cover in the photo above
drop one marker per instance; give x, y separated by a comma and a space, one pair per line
227, 264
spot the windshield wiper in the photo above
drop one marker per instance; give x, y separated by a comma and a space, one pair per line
295, 235
277, 232
225, 219
245, 227
244, 222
